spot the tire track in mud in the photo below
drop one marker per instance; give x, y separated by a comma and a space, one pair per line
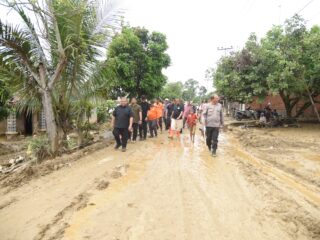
55, 229
309, 192
119, 183
291, 216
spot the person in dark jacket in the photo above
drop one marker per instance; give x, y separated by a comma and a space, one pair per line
122, 119
145, 107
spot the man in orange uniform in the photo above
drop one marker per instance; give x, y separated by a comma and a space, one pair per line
159, 107
152, 118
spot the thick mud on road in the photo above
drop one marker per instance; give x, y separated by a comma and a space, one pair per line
164, 189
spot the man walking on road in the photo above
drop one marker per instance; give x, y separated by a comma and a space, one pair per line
137, 118
122, 119
169, 113
159, 107
176, 119
213, 120
145, 107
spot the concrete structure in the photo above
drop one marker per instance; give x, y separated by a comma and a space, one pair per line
25, 124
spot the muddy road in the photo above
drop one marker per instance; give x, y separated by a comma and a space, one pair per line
165, 189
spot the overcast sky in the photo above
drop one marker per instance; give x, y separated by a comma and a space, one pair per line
195, 29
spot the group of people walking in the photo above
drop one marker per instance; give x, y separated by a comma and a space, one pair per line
132, 120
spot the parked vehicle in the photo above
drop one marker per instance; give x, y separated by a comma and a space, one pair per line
246, 114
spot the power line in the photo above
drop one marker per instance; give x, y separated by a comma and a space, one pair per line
305, 6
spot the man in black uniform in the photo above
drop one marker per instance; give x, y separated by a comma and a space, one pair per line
169, 110
145, 107
122, 119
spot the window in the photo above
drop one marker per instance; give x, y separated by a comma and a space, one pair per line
42, 121
12, 122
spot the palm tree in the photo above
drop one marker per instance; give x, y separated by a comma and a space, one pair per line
56, 52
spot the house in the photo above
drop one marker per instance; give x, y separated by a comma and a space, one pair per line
277, 103
28, 124
23, 124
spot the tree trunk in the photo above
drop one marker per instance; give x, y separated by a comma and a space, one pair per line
302, 109
313, 104
287, 105
52, 130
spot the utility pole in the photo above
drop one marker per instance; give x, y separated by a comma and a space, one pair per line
225, 49
225, 103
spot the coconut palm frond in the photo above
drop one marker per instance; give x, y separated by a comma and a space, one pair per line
15, 46
32, 33
29, 103
109, 15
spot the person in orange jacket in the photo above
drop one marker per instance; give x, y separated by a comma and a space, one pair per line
152, 118
192, 123
159, 107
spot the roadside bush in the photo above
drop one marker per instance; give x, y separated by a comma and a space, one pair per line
104, 110
39, 147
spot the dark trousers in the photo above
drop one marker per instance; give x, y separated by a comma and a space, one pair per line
153, 128
160, 123
124, 133
135, 127
143, 129
212, 137
168, 123
184, 121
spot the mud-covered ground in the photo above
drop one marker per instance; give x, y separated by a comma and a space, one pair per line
264, 184
295, 151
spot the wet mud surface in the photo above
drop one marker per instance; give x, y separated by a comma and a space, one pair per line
173, 189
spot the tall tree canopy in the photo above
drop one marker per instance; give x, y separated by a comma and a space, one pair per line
172, 90
284, 62
135, 62
190, 88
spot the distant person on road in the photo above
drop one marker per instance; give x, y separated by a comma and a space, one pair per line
176, 119
159, 107
137, 118
186, 111
262, 119
165, 111
192, 124
122, 119
143, 128
152, 118
169, 113
213, 119
202, 110
268, 112
275, 114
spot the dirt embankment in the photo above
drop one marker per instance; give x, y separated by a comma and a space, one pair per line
295, 151
29, 171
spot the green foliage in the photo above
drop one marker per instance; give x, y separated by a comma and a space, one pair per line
4, 97
104, 110
56, 55
172, 90
284, 62
39, 147
190, 88
135, 62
